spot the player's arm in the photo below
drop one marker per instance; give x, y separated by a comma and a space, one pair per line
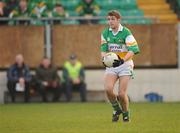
132, 46
128, 56
132, 50
103, 54
104, 46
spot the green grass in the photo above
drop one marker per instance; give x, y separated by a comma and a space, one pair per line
88, 118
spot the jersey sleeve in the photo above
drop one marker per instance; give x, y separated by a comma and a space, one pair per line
131, 43
104, 43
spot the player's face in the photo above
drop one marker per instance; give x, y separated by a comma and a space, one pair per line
113, 22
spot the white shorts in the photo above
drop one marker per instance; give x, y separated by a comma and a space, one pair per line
122, 70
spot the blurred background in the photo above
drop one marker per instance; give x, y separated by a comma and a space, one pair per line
58, 28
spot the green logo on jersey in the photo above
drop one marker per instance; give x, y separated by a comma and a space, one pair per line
121, 41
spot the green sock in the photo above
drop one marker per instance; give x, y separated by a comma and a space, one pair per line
126, 114
115, 105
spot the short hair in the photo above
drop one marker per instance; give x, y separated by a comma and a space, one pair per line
23, 1
45, 57
58, 5
114, 13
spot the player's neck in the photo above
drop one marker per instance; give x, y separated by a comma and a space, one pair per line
115, 29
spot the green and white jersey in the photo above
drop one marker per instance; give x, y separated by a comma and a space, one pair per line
120, 42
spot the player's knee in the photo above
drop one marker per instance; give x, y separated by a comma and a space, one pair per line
108, 88
122, 94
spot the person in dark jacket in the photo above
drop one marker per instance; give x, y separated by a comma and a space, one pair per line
19, 76
74, 78
47, 79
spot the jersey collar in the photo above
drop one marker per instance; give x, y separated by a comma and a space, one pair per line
119, 29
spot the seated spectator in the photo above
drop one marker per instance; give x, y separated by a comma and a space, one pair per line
19, 78
88, 9
74, 76
38, 11
59, 12
10, 5
21, 11
2, 5
47, 80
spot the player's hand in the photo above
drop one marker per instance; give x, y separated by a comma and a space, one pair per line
118, 62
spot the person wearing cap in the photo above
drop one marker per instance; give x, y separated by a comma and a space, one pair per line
74, 77
118, 39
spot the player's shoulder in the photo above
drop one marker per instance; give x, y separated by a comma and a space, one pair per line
126, 30
105, 32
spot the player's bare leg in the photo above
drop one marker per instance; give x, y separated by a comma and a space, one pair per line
110, 81
123, 97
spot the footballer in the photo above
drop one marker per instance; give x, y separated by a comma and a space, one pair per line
118, 39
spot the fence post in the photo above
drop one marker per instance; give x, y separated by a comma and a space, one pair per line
48, 41
178, 45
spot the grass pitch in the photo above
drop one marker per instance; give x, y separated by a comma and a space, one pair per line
88, 118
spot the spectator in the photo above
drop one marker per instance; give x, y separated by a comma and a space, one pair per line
38, 11
10, 5
21, 11
3, 12
19, 78
88, 9
47, 79
58, 12
2, 5
73, 74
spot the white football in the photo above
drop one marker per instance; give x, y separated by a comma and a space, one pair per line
109, 58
